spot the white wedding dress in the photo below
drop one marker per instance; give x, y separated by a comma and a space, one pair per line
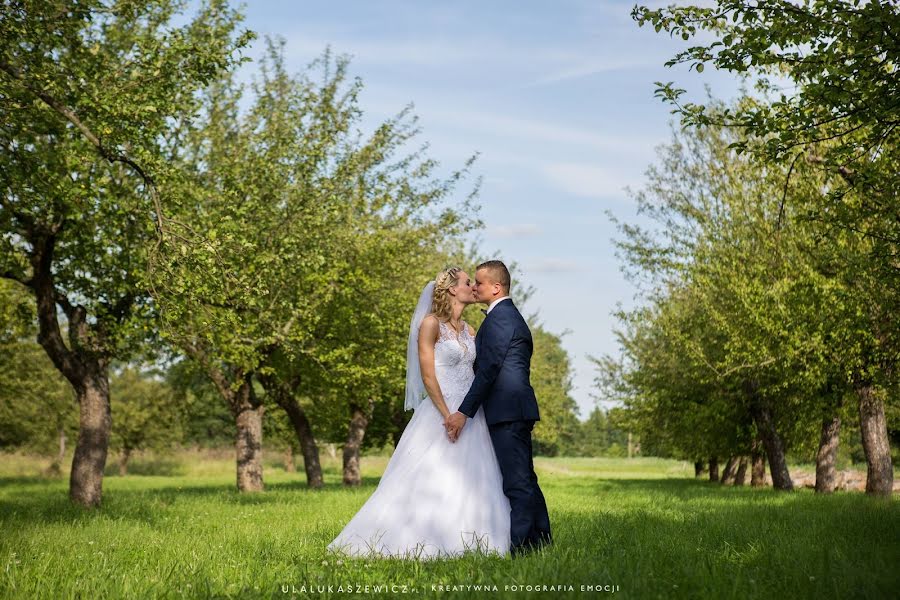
436, 498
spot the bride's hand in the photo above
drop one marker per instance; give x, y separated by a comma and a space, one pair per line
455, 424
447, 425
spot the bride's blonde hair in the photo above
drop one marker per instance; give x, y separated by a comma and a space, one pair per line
441, 305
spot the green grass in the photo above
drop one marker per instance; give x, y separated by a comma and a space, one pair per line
644, 525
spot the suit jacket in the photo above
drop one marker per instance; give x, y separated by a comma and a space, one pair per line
502, 384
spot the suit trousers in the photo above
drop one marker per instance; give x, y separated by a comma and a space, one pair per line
529, 521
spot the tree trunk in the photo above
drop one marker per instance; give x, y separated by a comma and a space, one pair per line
284, 397
307, 442
873, 429
247, 410
741, 476
729, 471
55, 468
781, 478
89, 461
762, 415
826, 472
289, 464
713, 468
359, 420
758, 461
124, 455
248, 413
699, 468
62, 445
83, 363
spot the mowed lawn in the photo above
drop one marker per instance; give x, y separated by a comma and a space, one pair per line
640, 528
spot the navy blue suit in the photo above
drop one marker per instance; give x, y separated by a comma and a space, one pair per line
502, 388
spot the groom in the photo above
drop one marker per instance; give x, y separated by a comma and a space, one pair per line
502, 386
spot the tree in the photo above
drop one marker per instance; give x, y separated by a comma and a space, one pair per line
750, 315
605, 433
298, 214
147, 415
87, 93
842, 58
207, 422
359, 366
594, 435
551, 379
282, 385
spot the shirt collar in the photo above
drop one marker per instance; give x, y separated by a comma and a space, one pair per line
495, 302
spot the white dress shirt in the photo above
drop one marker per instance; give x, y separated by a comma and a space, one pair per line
494, 303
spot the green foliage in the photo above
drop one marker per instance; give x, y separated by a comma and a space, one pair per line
604, 433
309, 232
278, 239
551, 379
741, 287
775, 262
206, 421
91, 91
147, 415
827, 72
841, 55
36, 402
88, 94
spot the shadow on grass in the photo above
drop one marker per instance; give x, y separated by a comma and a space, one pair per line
691, 489
300, 485
715, 541
45, 500
31, 480
675, 506
162, 467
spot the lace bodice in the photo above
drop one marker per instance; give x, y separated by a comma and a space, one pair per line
453, 358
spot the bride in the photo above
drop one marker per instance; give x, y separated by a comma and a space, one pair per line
436, 498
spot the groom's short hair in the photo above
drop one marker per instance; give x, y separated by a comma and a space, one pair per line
498, 271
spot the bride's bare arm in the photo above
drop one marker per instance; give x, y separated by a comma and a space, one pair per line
428, 335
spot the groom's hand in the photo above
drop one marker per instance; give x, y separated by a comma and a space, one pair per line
455, 424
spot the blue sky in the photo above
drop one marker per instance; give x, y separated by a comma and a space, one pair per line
557, 97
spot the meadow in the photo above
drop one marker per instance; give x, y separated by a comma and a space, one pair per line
176, 527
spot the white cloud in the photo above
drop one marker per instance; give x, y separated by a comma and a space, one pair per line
433, 52
553, 265
514, 231
588, 181
536, 65
586, 69
655, 4
540, 131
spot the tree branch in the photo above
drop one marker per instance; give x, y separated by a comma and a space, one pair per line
109, 155
27, 282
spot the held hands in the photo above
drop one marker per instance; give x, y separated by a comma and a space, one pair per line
454, 425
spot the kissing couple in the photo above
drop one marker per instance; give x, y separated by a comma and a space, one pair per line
461, 478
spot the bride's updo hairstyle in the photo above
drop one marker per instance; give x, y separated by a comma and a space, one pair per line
440, 302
